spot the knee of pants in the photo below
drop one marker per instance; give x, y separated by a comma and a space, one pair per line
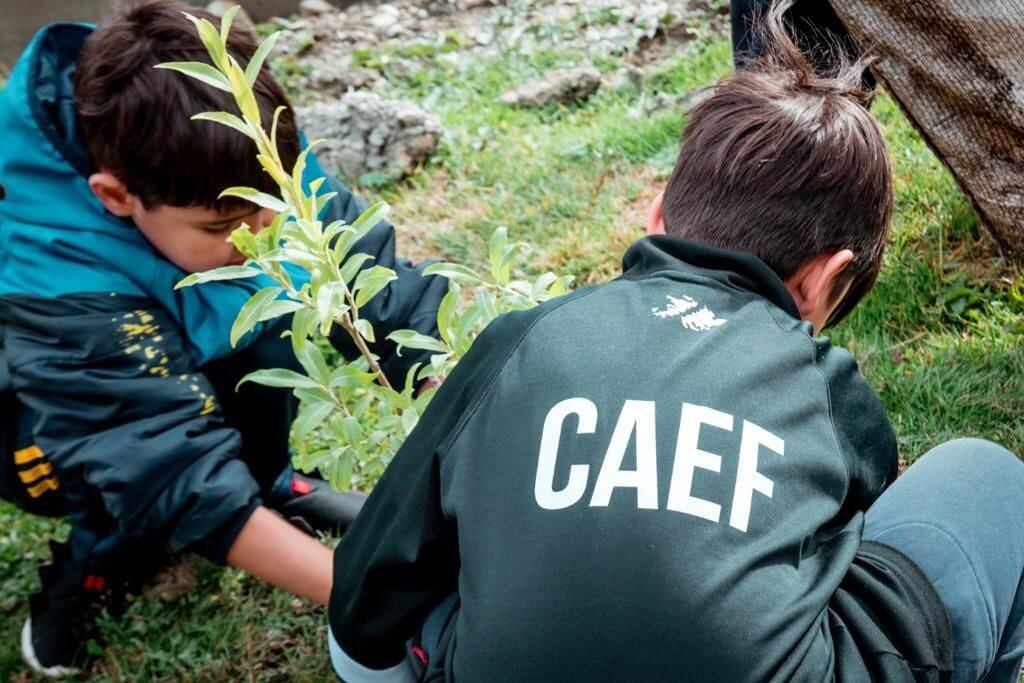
967, 465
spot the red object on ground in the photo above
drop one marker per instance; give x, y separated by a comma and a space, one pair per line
95, 583
301, 487
418, 651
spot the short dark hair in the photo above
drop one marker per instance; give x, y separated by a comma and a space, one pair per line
786, 164
135, 122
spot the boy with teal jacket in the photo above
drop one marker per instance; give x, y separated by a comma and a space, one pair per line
120, 407
671, 477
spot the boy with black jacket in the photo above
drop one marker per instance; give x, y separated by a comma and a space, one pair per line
119, 394
671, 477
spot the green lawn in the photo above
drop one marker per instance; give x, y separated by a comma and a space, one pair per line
940, 338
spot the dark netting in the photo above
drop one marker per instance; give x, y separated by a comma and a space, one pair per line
957, 69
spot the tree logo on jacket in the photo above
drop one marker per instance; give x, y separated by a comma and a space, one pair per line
700, 320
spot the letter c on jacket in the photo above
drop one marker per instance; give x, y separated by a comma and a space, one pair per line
544, 486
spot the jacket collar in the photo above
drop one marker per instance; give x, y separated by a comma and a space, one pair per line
736, 269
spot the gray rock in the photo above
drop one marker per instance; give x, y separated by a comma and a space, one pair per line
386, 17
556, 87
331, 78
314, 8
623, 78
364, 133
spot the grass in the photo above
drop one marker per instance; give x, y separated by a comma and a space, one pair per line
940, 338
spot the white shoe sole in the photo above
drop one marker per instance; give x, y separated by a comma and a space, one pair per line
28, 653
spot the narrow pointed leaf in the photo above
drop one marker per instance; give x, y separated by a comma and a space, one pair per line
225, 273
370, 218
365, 329
252, 70
311, 417
249, 316
453, 271
201, 72
256, 197
410, 339
226, 119
352, 265
279, 377
370, 282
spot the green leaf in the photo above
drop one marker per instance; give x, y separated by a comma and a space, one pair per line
312, 360
244, 241
226, 20
346, 240
409, 420
369, 219
276, 309
453, 271
201, 72
370, 282
314, 394
330, 303
273, 126
486, 305
256, 197
348, 376
311, 417
322, 201
225, 273
250, 314
252, 70
352, 265
226, 119
211, 39
561, 286
446, 312
334, 229
340, 475
365, 329
541, 284
298, 170
352, 431
496, 245
414, 340
279, 377
303, 323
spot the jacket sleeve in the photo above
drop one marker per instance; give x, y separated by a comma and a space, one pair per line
121, 412
410, 302
863, 432
400, 558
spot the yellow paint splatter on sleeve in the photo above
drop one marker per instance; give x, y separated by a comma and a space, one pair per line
140, 337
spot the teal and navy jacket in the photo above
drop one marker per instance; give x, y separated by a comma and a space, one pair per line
663, 478
102, 351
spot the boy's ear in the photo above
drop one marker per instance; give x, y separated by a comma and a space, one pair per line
813, 284
112, 193
655, 219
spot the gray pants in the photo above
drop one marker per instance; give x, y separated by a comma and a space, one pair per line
959, 514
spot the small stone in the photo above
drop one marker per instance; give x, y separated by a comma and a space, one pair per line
314, 8
386, 16
623, 78
561, 86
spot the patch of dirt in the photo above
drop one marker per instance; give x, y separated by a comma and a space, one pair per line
174, 580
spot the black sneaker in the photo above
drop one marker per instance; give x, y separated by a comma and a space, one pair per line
54, 640
315, 506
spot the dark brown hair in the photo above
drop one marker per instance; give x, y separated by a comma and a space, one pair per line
786, 164
135, 119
